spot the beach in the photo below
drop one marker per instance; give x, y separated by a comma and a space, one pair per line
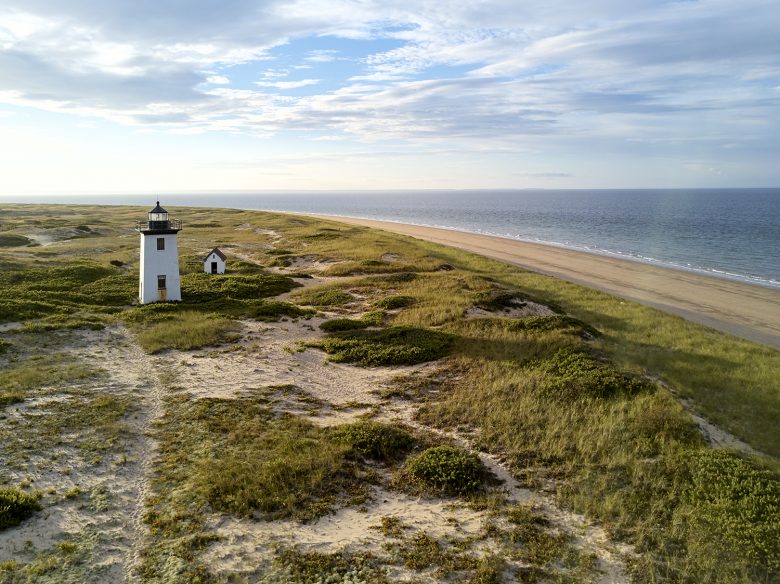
744, 310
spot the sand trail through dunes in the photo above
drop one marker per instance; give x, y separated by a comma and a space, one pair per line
93, 490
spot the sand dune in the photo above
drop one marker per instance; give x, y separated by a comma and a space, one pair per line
747, 311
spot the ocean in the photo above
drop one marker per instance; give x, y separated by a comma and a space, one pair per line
727, 233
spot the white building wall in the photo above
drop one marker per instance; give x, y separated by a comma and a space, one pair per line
214, 258
155, 263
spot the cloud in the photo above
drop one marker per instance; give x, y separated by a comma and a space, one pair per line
493, 73
288, 84
321, 56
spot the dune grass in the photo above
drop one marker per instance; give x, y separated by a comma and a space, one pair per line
20, 378
238, 457
185, 330
568, 401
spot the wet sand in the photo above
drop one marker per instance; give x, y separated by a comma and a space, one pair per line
747, 311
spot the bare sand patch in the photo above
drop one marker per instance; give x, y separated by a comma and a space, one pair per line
271, 354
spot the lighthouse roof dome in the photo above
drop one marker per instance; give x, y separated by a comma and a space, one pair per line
158, 209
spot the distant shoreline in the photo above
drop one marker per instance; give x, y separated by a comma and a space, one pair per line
742, 309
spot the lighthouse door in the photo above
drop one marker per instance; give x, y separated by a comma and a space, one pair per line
213, 267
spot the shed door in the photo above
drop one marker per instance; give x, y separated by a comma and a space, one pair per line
213, 267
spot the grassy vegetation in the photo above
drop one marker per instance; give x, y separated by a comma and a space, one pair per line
567, 400
70, 560
322, 297
238, 457
185, 330
391, 346
18, 379
16, 505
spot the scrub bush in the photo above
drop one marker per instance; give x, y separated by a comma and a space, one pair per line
375, 440
323, 297
16, 506
446, 469
391, 346
350, 324
393, 302
573, 374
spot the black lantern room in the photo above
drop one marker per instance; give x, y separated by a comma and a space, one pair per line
159, 222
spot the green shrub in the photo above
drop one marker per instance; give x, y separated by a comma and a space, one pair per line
269, 310
5, 346
343, 324
398, 278
114, 290
16, 506
61, 321
21, 309
733, 505
391, 346
375, 318
204, 288
447, 469
393, 302
9, 240
10, 396
375, 440
323, 297
574, 374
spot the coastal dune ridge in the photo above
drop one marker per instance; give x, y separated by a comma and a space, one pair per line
745, 310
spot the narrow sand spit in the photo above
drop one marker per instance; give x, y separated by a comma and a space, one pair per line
740, 309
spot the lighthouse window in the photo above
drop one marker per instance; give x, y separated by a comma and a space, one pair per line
160, 243
161, 282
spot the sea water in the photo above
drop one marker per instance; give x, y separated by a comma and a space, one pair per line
729, 233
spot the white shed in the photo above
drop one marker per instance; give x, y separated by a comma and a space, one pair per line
214, 263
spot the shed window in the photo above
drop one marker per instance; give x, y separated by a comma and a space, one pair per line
161, 282
160, 243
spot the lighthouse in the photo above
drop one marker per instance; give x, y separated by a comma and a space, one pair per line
159, 257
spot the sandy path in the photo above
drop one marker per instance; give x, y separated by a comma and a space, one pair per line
112, 532
744, 310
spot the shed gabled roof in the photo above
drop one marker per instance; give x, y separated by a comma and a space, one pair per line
221, 255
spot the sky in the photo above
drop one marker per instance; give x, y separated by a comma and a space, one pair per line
141, 96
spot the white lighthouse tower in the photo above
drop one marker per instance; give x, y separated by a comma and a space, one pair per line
159, 257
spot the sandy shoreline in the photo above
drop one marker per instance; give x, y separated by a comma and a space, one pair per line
744, 310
